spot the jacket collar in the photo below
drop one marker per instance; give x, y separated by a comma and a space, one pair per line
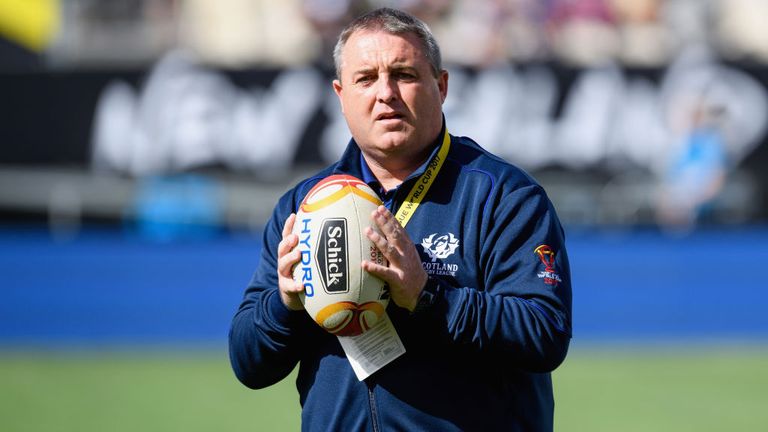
353, 163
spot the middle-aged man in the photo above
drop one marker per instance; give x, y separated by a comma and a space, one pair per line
478, 272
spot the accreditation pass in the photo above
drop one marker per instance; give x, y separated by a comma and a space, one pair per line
373, 349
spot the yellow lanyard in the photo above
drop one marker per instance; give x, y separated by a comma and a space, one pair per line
422, 185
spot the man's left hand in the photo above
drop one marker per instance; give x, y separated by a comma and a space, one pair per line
405, 275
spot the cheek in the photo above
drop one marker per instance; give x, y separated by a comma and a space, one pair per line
430, 106
424, 99
357, 114
358, 104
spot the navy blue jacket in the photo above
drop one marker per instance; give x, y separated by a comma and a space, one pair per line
479, 358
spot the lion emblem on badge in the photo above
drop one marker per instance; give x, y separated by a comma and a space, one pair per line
440, 247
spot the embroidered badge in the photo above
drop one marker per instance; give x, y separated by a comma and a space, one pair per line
547, 257
440, 247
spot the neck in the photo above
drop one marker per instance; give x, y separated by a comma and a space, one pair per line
392, 173
391, 169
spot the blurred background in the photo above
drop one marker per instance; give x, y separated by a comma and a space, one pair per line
143, 144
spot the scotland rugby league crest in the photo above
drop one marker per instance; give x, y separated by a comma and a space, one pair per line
439, 247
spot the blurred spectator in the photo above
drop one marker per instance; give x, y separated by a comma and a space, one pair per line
697, 169
114, 33
26, 29
431, 12
742, 28
526, 30
688, 23
175, 207
644, 38
473, 34
239, 33
478, 33
326, 19
583, 32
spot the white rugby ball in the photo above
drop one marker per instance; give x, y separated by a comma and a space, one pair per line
338, 294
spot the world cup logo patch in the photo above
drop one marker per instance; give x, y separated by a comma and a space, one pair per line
548, 257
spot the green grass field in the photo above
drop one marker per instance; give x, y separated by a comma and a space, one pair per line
597, 389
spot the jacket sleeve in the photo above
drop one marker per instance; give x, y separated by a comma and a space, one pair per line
523, 312
263, 333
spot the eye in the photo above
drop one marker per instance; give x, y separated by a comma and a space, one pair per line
364, 80
405, 76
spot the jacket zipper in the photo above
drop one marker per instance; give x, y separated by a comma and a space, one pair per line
372, 406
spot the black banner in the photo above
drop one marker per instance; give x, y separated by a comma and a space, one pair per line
181, 116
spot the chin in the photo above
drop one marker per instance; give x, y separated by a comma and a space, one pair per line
392, 142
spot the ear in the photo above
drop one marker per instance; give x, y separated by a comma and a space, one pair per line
442, 84
337, 89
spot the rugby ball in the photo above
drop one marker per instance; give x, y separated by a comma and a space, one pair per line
339, 295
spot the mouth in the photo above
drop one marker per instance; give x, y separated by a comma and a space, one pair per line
390, 116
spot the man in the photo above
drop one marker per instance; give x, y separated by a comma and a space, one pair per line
481, 302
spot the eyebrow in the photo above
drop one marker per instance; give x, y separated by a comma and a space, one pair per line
397, 67
403, 67
364, 71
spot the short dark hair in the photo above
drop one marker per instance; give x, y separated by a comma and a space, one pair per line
395, 22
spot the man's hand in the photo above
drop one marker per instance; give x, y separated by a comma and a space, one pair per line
405, 275
287, 257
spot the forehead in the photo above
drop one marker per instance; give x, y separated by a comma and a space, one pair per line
366, 47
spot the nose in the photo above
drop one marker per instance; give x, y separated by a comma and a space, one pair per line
386, 90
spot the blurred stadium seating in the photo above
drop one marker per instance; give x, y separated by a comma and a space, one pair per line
121, 91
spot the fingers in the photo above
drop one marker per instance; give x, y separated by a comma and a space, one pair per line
404, 274
287, 257
286, 246
288, 226
288, 287
289, 240
286, 263
386, 221
387, 274
291, 288
386, 248
394, 235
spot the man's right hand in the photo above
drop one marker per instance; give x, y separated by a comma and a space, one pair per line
287, 257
